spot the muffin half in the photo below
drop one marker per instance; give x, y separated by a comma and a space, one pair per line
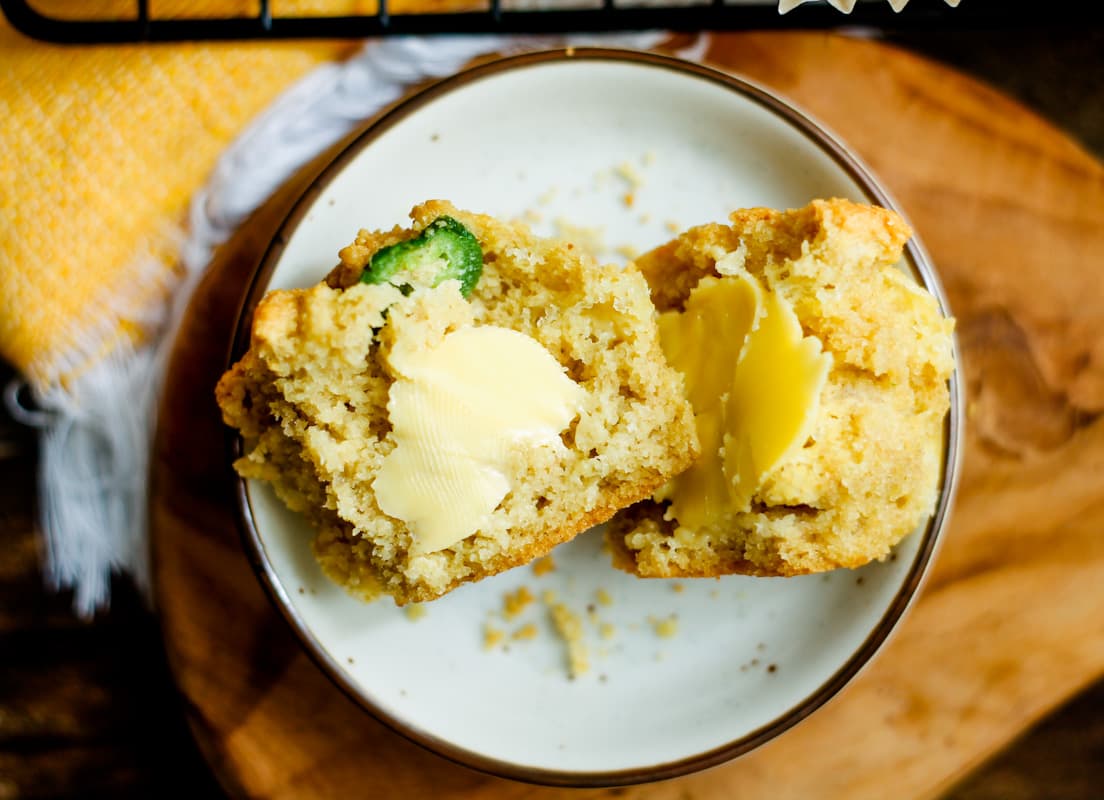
820, 390
436, 429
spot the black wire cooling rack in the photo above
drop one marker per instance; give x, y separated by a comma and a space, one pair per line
501, 16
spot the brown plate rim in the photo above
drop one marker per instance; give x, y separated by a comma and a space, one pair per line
254, 547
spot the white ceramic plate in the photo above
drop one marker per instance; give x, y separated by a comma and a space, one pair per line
549, 133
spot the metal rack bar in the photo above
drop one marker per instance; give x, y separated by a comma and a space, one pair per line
714, 15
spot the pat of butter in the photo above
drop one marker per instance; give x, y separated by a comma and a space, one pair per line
457, 410
704, 343
754, 381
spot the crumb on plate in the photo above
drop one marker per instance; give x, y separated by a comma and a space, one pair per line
525, 632
513, 603
630, 174
570, 629
491, 636
664, 628
543, 566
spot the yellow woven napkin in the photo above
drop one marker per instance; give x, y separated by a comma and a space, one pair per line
100, 150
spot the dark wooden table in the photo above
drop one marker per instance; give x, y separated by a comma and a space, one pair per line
87, 709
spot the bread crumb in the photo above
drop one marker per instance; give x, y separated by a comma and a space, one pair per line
672, 226
516, 602
607, 631
491, 636
532, 216
628, 199
678, 588
628, 251
664, 628
543, 566
528, 631
415, 611
570, 629
604, 597
630, 174
548, 597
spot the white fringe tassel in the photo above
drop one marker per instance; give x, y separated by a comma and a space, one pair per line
96, 430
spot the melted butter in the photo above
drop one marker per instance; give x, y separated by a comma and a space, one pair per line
754, 381
775, 396
704, 344
457, 410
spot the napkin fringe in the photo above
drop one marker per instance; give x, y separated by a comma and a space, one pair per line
97, 426
94, 405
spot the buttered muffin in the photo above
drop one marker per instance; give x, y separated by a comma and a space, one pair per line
454, 400
818, 373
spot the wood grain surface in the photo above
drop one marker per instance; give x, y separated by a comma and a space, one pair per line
1012, 620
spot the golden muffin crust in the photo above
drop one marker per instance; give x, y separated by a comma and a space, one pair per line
310, 399
869, 473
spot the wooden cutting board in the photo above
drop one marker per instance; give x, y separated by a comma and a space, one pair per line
1011, 622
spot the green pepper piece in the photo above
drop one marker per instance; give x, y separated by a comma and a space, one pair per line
444, 244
